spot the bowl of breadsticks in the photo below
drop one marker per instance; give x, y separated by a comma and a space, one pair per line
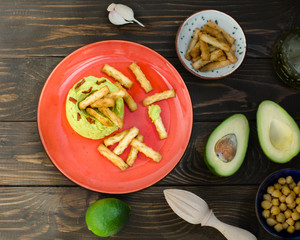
211, 44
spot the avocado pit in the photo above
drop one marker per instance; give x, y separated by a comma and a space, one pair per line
226, 147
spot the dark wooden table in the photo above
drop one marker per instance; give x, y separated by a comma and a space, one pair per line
38, 202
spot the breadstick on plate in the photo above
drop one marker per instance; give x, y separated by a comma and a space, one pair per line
195, 52
93, 97
205, 55
133, 151
115, 138
123, 144
128, 99
214, 32
112, 116
159, 96
230, 55
117, 94
117, 75
147, 151
115, 159
160, 128
154, 113
227, 36
214, 65
216, 54
104, 102
140, 76
99, 117
199, 63
192, 43
215, 42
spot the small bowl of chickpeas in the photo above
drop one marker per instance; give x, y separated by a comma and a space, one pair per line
278, 204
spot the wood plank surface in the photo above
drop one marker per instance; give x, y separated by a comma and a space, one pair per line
59, 213
23, 160
56, 28
22, 81
38, 202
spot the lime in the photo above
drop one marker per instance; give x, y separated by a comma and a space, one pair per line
107, 216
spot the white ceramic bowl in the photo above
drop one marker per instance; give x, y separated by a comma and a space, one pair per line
198, 19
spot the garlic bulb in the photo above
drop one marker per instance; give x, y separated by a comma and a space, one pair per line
120, 14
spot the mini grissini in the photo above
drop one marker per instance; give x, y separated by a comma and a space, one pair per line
99, 117
140, 76
125, 141
159, 96
109, 141
127, 98
115, 159
134, 152
147, 151
93, 97
112, 116
117, 75
104, 102
160, 128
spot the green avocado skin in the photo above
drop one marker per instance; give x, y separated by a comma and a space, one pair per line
218, 171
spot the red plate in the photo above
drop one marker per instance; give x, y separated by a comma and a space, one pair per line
77, 157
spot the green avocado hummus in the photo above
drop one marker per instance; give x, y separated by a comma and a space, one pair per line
84, 124
154, 112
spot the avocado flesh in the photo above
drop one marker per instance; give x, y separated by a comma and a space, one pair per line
234, 132
281, 135
278, 133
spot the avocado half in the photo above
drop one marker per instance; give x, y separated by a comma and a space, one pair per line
278, 133
226, 146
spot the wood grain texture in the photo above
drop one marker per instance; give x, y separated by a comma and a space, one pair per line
52, 28
23, 160
241, 92
59, 213
38, 202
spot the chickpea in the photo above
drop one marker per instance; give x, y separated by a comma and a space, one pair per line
271, 222
288, 213
285, 190
270, 189
293, 194
282, 198
267, 197
292, 205
296, 190
289, 179
278, 227
290, 221
291, 229
266, 204
282, 181
289, 199
275, 202
298, 200
282, 207
277, 186
297, 226
292, 185
298, 208
275, 210
266, 213
295, 216
276, 193
280, 218
285, 225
